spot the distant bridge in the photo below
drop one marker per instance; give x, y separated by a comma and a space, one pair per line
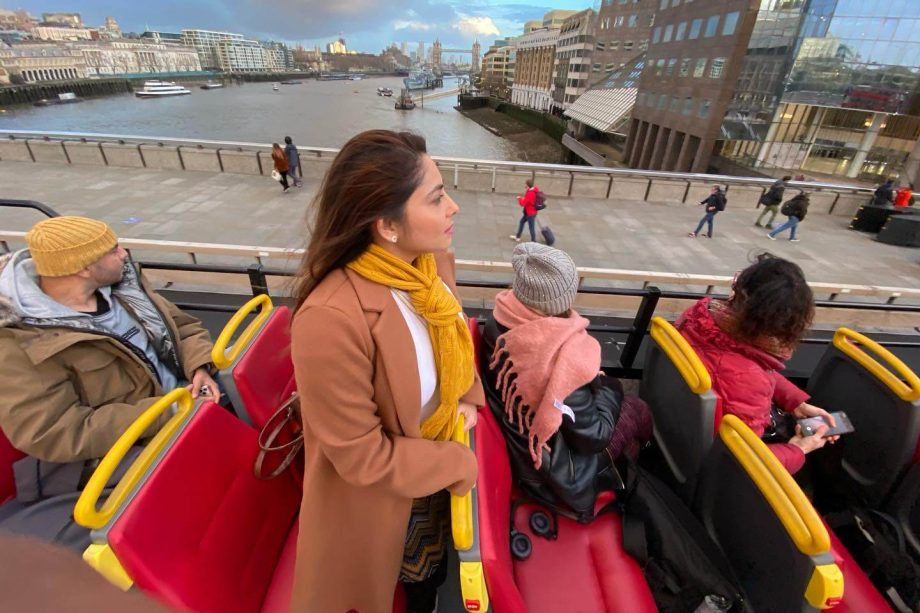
436, 96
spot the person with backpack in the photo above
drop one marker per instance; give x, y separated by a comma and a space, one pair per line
714, 204
795, 209
771, 201
532, 201
884, 194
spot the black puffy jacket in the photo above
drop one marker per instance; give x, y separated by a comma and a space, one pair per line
578, 467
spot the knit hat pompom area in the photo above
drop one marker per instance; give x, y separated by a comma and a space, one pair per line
545, 278
62, 246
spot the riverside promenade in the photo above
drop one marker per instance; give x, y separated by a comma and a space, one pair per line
605, 233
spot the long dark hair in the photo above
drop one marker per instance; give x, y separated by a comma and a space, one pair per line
771, 298
371, 178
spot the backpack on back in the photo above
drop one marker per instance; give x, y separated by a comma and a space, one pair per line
788, 208
540, 200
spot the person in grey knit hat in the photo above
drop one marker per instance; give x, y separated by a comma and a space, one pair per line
545, 278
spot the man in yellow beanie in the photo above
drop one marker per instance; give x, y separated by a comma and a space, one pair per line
85, 348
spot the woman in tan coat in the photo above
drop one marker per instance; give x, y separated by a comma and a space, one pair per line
384, 366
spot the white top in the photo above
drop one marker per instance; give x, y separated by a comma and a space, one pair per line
424, 353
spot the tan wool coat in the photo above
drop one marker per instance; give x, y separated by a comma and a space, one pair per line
357, 374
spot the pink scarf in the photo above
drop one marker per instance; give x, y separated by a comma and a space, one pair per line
546, 359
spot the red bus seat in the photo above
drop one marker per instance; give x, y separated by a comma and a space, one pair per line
584, 569
203, 533
859, 595
9, 455
257, 371
678, 389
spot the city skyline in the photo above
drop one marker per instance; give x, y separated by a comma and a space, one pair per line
367, 26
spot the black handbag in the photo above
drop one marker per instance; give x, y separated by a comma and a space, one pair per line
781, 428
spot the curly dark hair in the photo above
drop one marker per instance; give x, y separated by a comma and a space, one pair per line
772, 299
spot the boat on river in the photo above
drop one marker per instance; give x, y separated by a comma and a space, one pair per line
161, 89
405, 101
65, 98
212, 85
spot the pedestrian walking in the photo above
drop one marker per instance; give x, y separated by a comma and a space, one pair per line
795, 209
884, 194
771, 201
714, 204
529, 203
279, 159
293, 158
904, 196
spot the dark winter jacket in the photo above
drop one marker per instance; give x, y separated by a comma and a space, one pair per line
716, 202
579, 466
774, 195
797, 207
884, 194
293, 156
744, 377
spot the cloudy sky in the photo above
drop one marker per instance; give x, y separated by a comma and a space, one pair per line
367, 25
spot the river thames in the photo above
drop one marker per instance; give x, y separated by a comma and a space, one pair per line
314, 113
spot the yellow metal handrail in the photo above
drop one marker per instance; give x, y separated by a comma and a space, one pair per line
472, 576
85, 511
848, 341
786, 498
221, 356
682, 355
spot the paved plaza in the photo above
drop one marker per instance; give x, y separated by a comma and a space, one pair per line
628, 234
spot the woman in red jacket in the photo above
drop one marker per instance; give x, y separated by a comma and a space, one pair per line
744, 343
529, 202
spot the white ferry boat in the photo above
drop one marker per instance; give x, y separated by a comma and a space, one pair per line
159, 89
212, 85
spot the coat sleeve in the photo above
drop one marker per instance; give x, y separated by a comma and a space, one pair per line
592, 428
791, 457
42, 416
786, 395
334, 372
194, 340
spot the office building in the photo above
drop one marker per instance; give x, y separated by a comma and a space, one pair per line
553, 19
205, 43
136, 57
69, 20
40, 61
60, 33
573, 58
498, 65
622, 33
241, 56
533, 71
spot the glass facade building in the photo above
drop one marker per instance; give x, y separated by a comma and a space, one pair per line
828, 86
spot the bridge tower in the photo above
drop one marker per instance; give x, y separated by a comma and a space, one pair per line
436, 53
475, 63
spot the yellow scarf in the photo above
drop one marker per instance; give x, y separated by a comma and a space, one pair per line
450, 338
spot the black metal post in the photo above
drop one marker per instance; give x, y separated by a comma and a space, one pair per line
257, 280
640, 326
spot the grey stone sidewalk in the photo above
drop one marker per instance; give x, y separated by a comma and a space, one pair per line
252, 210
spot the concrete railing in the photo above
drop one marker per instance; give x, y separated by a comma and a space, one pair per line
193, 253
556, 180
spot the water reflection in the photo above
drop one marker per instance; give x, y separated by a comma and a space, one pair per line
315, 113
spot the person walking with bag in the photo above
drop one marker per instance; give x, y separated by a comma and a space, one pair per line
530, 205
795, 209
293, 158
280, 161
384, 365
771, 201
714, 204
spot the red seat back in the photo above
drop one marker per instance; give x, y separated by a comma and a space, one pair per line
264, 375
8, 456
203, 533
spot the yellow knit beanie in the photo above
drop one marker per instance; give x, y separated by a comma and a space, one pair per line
62, 246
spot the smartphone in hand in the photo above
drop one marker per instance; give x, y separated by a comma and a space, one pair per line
810, 425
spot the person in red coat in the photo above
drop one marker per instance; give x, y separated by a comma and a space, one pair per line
744, 342
903, 196
529, 202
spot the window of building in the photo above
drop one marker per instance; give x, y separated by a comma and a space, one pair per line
614, 45
618, 21
681, 31
675, 2
675, 104
699, 69
704, 109
712, 24
728, 26
684, 67
600, 45
695, 28
668, 31
659, 68
627, 45
670, 69
656, 35
716, 67
633, 21
688, 105
662, 102
596, 68
643, 44
663, 5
